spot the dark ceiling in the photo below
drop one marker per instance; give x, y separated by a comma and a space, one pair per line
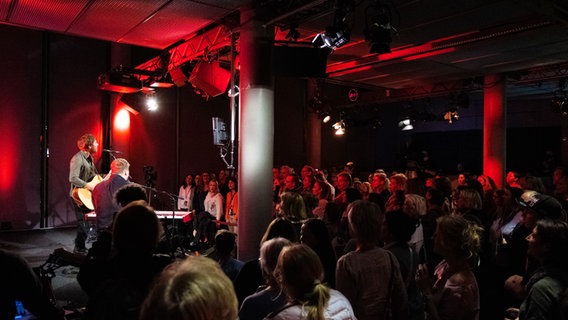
438, 46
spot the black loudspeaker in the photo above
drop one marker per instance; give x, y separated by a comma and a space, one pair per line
301, 62
210, 78
178, 77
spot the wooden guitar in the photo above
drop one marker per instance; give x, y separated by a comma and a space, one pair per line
82, 196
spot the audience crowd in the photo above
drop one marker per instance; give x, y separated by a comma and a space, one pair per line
382, 246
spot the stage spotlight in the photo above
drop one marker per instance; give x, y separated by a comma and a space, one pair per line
339, 128
378, 28
326, 118
151, 102
405, 125
451, 116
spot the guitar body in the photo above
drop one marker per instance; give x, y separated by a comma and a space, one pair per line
82, 196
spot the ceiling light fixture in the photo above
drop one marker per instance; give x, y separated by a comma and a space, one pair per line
151, 102
405, 124
378, 27
339, 33
339, 128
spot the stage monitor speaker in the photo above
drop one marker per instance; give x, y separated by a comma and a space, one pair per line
301, 62
178, 77
210, 78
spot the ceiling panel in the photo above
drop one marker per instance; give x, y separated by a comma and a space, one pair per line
111, 19
174, 22
55, 15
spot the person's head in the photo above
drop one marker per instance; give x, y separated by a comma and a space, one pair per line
365, 188
285, 171
88, 143
225, 242
198, 180
292, 206
206, 177
364, 221
136, 229
533, 183
300, 273
291, 182
380, 181
314, 233
233, 183
213, 186
398, 182
487, 183
275, 174
188, 181
308, 182
512, 178
344, 181
307, 171
352, 194
399, 226
456, 237
129, 193
269, 252
548, 242
414, 206
196, 289
435, 197
322, 190
468, 199
462, 179
280, 227
538, 206
222, 175
121, 167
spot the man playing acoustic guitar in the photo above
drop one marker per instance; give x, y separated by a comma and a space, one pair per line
82, 170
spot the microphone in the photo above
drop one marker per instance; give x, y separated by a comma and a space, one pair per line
112, 151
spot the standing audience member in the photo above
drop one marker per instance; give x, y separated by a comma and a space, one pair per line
370, 276
186, 194
548, 243
300, 274
322, 192
381, 189
225, 243
232, 204
454, 294
270, 297
397, 189
195, 289
315, 235
116, 286
397, 230
513, 179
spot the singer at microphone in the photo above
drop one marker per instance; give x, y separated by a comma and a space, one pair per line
111, 151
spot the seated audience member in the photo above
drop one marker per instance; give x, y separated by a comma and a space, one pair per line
453, 294
270, 297
548, 243
116, 285
18, 282
225, 242
250, 277
369, 276
315, 235
195, 289
300, 274
213, 205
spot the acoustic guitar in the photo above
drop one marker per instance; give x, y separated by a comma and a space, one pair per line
83, 196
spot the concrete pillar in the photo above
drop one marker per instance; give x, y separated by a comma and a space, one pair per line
495, 128
256, 134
